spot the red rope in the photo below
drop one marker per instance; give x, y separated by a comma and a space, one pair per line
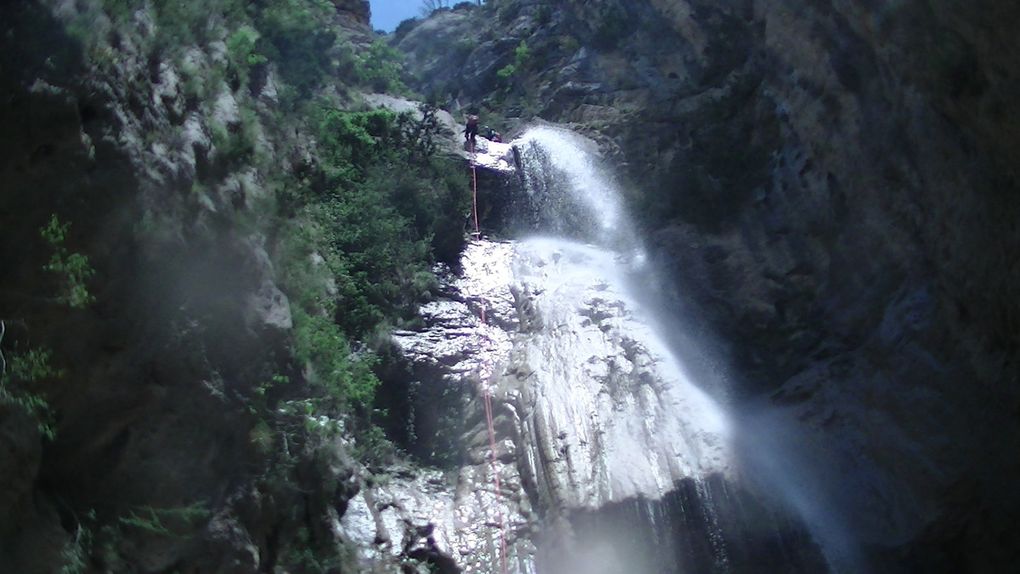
486, 394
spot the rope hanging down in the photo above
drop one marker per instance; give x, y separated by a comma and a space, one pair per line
486, 392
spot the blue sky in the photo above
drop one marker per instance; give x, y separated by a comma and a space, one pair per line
386, 14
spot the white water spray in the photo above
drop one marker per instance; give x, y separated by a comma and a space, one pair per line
634, 430
600, 381
605, 383
574, 160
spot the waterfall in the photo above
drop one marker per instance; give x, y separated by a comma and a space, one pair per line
628, 426
630, 420
570, 192
610, 454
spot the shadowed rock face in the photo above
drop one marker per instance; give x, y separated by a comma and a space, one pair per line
833, 187
186, 313
357, 11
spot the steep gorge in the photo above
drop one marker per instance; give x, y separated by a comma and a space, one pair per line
828, 191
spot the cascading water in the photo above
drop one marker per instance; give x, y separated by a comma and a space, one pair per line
604, 382
569, 193
610, 458
624, 441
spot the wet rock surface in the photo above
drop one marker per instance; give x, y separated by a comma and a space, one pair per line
831, 188
455, 358
591, 416
698, 526
607, 412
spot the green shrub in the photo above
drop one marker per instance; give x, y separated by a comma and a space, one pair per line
76, 552
309, 556
182, 22
507, 71
380, 68
168, 522
569, 44
18, 381
262, 438
120, 10
522, 54
296, 38
522, 58
543, 15
350, 142
387, 209
242, 52
235, 145
345, 380
463, 48
73, 269
179, 23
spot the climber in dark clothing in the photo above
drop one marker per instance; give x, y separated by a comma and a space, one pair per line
472, 128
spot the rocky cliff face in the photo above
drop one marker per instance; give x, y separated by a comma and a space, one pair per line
355, 11
833, 186
146, 148
137, 401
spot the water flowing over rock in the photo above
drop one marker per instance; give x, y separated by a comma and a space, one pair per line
610, 414
802, 170
593, 413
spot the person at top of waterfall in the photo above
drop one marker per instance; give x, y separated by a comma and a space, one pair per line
471, 130
493, 135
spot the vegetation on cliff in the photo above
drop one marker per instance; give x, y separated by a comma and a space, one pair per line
252, 232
